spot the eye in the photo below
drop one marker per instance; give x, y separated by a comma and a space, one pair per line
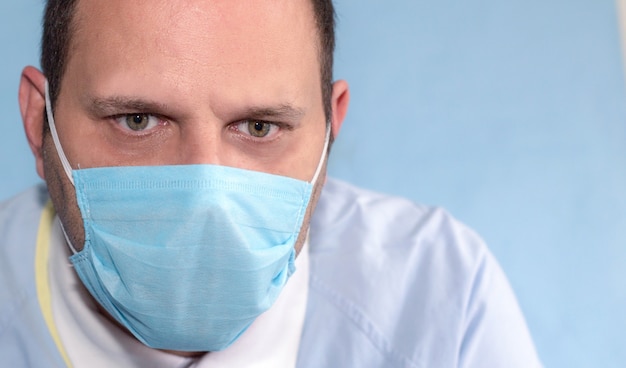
137, 122
257, 128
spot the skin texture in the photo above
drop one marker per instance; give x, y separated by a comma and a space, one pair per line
200, 70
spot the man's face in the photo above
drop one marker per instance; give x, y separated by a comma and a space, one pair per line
171, 82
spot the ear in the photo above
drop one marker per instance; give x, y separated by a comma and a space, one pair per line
339, 101
33, 107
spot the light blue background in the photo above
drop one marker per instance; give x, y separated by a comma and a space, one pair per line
512, 114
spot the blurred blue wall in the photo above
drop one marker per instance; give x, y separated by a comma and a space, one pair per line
512, 114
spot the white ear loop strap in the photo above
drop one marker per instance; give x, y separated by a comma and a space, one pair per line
324, 154
67, 239
55, 136
64, 162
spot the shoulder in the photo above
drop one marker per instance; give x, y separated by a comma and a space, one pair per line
32, 199
19, 221
396, 230
410, 277
24, 338
20, 214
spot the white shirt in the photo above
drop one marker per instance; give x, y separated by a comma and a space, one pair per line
392, 284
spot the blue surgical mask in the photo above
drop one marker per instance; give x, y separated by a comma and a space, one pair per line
186, 257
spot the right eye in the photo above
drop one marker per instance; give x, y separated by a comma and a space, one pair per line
137, 122
257, 129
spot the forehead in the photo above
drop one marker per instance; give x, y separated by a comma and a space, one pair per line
196, 22
214, 38
258, 16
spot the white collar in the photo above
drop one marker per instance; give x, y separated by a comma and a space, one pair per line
91, 340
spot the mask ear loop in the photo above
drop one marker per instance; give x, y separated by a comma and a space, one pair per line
324, 154
55, 136
317, 174
62, 157
67, 239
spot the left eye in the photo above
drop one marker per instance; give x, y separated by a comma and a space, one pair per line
257, 128
138, 122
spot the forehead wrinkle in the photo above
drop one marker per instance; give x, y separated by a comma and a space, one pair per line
178, 35
181, 13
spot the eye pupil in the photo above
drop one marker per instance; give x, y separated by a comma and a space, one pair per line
259, 129
137, 121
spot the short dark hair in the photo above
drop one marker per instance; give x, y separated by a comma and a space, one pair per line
58, 28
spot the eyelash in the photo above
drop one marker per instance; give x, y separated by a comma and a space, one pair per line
118, 120
276, 126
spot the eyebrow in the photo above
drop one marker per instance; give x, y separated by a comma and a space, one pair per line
99, 107
119, 104
282, 111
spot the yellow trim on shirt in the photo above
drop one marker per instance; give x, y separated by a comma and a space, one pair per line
41, 276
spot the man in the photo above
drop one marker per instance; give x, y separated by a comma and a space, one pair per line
183, 145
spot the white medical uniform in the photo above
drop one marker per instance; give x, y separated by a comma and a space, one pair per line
390, 284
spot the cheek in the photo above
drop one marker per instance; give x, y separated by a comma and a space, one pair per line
62, 194
306, 156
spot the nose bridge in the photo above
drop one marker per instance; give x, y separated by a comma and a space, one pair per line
200, 143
